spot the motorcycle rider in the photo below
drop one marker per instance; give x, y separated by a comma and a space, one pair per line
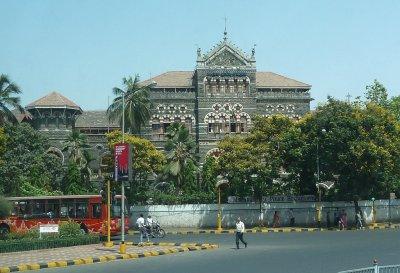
149, 225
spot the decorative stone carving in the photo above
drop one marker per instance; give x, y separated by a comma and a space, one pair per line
226, 58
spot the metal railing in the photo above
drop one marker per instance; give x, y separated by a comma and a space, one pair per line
376, 269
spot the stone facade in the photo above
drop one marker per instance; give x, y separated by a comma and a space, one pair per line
221, 96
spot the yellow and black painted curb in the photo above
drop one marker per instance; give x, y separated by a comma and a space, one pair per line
175, 248
268, 230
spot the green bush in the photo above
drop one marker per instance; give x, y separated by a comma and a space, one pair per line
26, 243
69, 229
5, 207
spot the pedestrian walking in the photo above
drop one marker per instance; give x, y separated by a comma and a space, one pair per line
276, 221
142, 228
359, 223
291, 217
239, 233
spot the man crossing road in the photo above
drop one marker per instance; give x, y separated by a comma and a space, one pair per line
239, 233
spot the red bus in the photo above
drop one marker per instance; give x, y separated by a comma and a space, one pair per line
87, 210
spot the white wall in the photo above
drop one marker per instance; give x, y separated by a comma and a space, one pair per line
205, 215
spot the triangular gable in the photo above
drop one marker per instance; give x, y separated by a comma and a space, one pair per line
226, 54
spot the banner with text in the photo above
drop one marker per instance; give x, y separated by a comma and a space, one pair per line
122, 156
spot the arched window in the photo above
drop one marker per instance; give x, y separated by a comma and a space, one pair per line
156, 125
189, 120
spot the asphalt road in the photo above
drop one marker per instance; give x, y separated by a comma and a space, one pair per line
307, 252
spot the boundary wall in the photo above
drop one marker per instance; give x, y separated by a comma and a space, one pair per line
305, 213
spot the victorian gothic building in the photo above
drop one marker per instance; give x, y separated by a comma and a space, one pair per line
220, 97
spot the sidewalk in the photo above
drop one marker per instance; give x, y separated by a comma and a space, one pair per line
88, 254
189, 231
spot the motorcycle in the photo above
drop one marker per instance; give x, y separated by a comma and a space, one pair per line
156, 230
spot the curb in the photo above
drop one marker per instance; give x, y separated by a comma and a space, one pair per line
177, 248
266, 230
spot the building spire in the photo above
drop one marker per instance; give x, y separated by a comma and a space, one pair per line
225, 33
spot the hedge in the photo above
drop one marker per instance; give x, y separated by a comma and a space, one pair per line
50, 242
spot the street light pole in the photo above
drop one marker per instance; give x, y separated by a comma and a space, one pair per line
319, 208
122, 248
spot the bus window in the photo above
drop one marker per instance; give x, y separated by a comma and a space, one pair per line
96, 210
67, 209
53, 209
38, 209
81, 210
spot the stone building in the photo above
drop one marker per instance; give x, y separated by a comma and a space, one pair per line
220, 97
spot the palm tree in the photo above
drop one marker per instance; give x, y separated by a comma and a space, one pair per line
75, 145
137, 105
86, 170
7, 89
180, 149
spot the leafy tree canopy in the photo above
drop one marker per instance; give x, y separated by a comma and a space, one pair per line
30, 169
376, 93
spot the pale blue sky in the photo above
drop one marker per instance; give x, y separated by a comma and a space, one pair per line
83, 48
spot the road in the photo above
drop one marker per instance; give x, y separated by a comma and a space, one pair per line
307, 252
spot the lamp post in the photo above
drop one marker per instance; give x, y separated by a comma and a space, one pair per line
260, 218
319, 207
122, 247
373, 211
220, 181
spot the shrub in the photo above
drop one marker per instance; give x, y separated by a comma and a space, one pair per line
5, 207
69, 229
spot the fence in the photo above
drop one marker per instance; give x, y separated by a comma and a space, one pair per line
376, 269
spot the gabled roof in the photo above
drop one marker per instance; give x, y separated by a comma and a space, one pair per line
264, 80
226, 54
273, 80
95, 119
171, 79
53, 100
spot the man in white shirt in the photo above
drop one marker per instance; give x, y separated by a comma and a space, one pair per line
142, 228
149, 224
239, 233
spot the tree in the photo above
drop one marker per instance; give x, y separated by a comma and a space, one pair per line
30, 169
209, 174
146, 161
394, 107
180, 154
2, 144
75, 145
359, 144
137, 105
73, 182
377, 93
7, 90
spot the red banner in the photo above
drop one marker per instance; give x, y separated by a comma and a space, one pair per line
122, 161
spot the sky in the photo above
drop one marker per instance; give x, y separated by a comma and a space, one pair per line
84, 48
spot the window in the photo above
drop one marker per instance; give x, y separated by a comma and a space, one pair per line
96, 211
165, 127
67, 209
156, 128
81, 210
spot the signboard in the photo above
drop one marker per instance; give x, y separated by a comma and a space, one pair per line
48, 228
122, 157
392, 196
288, 198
